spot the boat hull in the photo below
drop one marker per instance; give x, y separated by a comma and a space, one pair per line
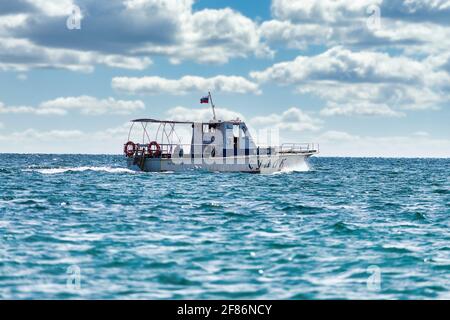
251, 164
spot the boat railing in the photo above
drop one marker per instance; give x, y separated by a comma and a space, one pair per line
169, 148
299, 148
187, 148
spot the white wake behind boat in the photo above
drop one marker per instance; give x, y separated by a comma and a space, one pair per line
216, 146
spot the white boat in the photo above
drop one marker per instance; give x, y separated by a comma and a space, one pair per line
216, 146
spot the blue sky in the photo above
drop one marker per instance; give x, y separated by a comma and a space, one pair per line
370, 78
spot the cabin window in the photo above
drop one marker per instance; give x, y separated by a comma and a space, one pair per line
236, 130
242, 131
209, 128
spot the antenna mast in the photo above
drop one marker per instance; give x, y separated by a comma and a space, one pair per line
212, 105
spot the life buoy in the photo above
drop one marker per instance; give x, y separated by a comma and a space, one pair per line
154, 152
129, 149
178, 152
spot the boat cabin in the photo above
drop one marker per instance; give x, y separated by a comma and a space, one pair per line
216, 138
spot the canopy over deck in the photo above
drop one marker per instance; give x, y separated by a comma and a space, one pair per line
149, 120
160, 121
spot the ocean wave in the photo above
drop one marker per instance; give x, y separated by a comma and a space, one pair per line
204, 236
79, 169
302, 167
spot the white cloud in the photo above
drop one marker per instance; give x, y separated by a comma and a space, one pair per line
218, 35
180, 113
21, 55
118, 61
65, 141
364, 82
123, 34
292, 119
333, 135
320, 10
421, 133
28, 109
92, 105
340, 64
415, 27
84, 104
212, 36
294, 35
363, 109
53, 7
11, 21
158, 85
365, 97
51, 135
338, 143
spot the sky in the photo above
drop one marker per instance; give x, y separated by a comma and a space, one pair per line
361, 78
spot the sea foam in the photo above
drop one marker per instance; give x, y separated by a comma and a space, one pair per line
79, 169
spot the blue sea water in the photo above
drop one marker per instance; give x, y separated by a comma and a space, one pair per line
83, 226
